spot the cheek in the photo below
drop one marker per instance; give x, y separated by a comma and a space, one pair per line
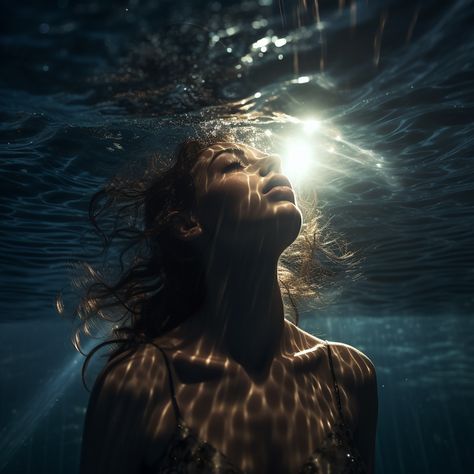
234, 208
231, 200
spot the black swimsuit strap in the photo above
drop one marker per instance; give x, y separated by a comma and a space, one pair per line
175, 403
170, 379
336, 386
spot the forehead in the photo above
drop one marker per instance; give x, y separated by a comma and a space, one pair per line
206, 156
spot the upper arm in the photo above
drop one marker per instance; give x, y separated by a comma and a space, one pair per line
122, 399
359, 378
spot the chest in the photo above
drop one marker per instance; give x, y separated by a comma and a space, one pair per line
270, 427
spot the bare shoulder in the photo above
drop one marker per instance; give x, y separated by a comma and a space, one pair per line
131, 372
357, 375
353, 365
122, 406
132, 382
357, 381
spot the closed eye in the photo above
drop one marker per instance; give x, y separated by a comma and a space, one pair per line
236, 164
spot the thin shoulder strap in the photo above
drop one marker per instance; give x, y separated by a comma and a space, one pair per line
336, 386
170, 379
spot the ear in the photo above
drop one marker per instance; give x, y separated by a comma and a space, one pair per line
185, 226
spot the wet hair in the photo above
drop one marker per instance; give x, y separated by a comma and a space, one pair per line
157, 280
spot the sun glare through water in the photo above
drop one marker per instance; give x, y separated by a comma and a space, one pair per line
314, 151
299, 154
297, 159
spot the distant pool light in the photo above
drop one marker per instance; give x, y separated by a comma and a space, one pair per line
265, 41
303, 79
280, 42
296, 160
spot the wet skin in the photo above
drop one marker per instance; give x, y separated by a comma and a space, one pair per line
255, 386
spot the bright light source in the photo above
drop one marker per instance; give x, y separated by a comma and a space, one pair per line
297, 159
311, 125
261, 43
303, 79
280, 42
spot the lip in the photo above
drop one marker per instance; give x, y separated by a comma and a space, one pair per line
282, 192
279, 189
277, 181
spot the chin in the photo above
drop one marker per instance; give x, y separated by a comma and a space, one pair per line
289, 211
287, 224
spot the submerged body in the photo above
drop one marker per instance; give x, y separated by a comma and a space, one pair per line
226, 421
234, 383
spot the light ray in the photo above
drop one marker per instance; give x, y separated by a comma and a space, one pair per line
21, 429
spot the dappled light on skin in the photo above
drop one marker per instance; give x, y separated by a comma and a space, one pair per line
274, 425
239, 175
236, 387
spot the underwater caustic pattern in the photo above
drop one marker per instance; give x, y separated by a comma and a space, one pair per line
377, 97
301, 418
227, 224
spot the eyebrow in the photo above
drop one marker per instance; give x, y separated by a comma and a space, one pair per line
237, 151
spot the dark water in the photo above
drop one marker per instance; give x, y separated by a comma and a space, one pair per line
87, 86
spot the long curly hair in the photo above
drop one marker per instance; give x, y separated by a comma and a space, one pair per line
148, 281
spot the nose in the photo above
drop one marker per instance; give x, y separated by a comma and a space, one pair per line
270, 163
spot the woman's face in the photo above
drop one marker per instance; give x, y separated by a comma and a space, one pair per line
243, 199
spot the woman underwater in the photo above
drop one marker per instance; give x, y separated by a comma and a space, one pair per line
213, 377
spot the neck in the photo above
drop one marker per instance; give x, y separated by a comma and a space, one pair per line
243, 312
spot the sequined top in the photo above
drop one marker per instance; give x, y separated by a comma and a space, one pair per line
187, 453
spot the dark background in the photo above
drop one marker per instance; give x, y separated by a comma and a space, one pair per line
85, 87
